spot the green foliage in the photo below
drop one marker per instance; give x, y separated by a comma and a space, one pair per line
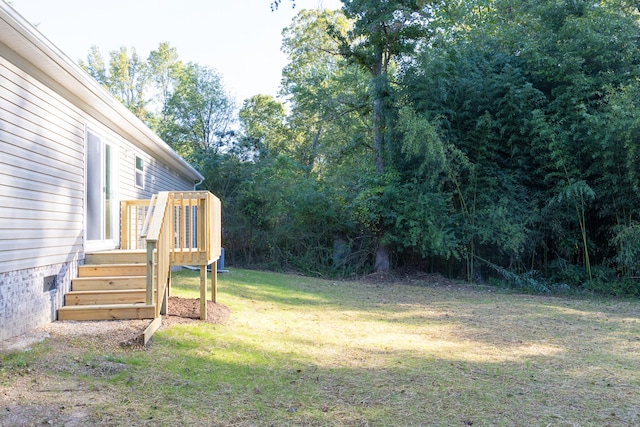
509, 137
200, 112
529, 281
263, 121
422, 224
561, 271
606, 282
627, 248
186, 105
444, 132
126, 77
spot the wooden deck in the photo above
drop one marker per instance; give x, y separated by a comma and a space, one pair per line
170, 229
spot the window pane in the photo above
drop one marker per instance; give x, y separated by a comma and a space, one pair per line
107, 186
94, 187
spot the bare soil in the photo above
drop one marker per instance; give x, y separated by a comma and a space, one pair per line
187, 310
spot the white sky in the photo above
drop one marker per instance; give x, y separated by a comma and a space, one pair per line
241, 39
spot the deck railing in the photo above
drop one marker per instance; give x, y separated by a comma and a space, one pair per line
177, 229
133, 214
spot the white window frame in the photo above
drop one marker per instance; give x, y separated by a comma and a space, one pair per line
138, 172
114, 196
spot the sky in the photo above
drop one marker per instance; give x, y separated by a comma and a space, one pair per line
241, 39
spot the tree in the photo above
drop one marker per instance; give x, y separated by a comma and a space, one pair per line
127, 77
95, 66
163, 66
263, 121
382, 32
128, 80
327, 95
199, 113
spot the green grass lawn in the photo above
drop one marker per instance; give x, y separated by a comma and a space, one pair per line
307, 352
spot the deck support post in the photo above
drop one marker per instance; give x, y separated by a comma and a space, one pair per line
203, 292
214, 282
151, 246
165, 302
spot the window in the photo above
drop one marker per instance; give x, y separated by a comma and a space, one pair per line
139, 172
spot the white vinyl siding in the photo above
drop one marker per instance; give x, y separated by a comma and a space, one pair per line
41, 174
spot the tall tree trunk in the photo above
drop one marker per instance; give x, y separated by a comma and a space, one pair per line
383, 259
311, 159
380, 90
378, 133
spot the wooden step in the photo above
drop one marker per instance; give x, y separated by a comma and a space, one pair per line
121, 256
108, 283
107, 312
112, 270
129, 296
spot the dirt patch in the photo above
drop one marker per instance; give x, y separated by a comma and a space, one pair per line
187, 310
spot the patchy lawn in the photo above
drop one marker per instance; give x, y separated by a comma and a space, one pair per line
296, 351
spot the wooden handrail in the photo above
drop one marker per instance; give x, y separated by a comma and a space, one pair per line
155, 232
145, 225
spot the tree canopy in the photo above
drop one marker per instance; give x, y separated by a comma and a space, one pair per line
482, 139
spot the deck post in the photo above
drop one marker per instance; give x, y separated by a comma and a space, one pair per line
214, 282
203, 292
124, 226
164, 308
151, 246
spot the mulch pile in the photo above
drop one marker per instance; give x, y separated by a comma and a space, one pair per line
187, 310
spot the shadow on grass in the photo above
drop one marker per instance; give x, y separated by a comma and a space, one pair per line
312, 352
309, 352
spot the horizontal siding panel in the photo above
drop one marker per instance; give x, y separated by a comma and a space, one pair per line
41, 173
13, 151
34, 200
166, 179
44, 190
40, 92
23, 172
37, 225
38, 244
47, 117
28, 209
43, 233
18, 260
34, 93
44, 143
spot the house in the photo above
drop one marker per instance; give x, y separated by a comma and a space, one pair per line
70, 153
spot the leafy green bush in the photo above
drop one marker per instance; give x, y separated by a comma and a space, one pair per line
606, 282
562, 271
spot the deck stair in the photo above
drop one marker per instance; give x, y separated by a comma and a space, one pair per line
111, 285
